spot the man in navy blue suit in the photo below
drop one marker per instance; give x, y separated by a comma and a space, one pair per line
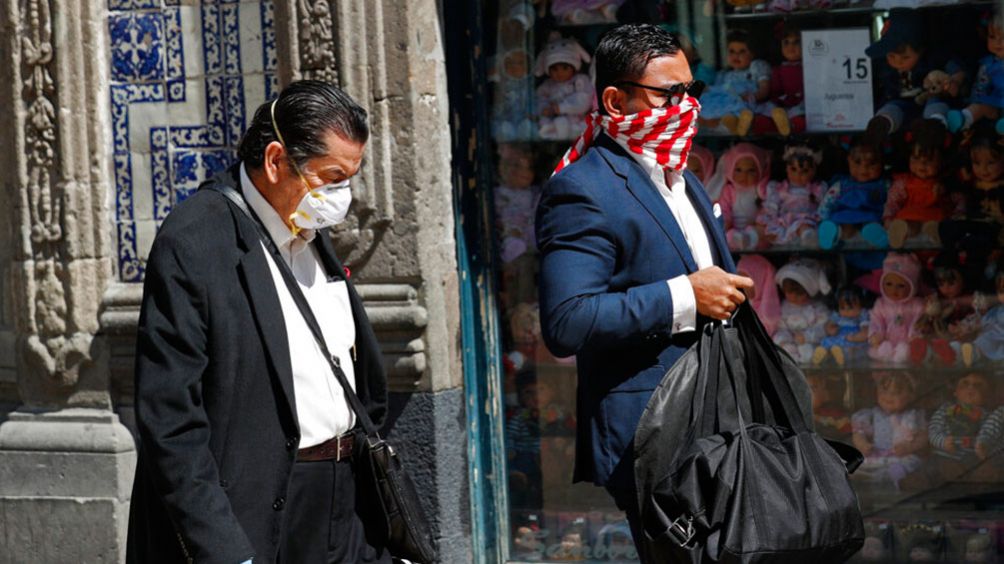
633, 255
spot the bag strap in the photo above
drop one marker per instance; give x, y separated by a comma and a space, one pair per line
301, 303
759, 350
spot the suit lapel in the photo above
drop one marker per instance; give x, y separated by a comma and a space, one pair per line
644, 190
256, 277
699, 198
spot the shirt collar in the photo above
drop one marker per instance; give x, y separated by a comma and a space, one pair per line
276, 227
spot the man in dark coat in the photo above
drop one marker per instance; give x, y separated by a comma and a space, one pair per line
246, 437
633, 254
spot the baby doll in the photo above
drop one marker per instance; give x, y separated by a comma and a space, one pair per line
987, 97
890, 434
701, 162
787, 92
854, 203
739, 184
916, 202
574, 542
990, 440
847, 329
763, 295
921, 542
902, 47
803, 315
789, 214
955, 425
978, 216
515, 201
740, 92
527, 538
566, 96
585, 12
990, 342
831, 420
522, 437
896, 311
513, 83
949, 323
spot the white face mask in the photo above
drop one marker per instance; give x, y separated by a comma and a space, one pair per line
323, 207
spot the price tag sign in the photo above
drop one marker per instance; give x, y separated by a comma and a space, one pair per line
838, 79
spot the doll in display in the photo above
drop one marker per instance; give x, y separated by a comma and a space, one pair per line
523, 431
901, 79
877, 543
513, 99
916, 201
954, 427
528, 538
574, 541
891, 433
585, 12
739, 185
852, 208
949, 324
987, 97
566, 95
979, 547
803, 314
830, 419
922, 542
763, 295
701, 162
787, 90
515, 201
978, 216
790, 211
847, 330
990, 341
895, 313
738, 93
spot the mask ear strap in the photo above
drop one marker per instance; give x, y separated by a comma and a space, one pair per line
278, 134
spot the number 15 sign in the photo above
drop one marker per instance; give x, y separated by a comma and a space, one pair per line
838, 79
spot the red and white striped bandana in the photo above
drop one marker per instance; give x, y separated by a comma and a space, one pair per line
664, 134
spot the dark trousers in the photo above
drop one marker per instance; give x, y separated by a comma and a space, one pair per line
627, 501
321, 522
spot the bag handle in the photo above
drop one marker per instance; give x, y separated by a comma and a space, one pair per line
759, 350
301, 303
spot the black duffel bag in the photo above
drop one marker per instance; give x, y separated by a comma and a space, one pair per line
750, 482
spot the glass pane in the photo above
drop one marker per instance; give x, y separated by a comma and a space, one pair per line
812, 224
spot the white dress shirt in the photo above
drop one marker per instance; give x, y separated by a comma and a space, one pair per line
321, 407
675, 196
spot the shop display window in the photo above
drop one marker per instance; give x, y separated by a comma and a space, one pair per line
862, 192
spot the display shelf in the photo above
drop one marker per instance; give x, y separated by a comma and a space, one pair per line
860, 8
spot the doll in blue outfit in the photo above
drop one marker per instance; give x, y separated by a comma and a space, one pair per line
987, 97
901, 81
990, 341
739, 92
847, 329
853, 205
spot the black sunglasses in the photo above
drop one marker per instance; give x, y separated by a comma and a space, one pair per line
695, 88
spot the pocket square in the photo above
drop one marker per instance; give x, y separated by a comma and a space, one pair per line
717, 210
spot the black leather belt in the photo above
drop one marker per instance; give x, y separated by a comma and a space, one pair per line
337, 449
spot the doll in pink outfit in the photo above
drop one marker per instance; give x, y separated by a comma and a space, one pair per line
803, 313
790, 211
701, 162
739, 185
897, 310
763, 296
566, 96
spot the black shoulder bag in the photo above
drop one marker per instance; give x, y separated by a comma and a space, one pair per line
398, 519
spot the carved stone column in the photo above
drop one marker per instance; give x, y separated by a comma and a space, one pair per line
65, 461
399, 240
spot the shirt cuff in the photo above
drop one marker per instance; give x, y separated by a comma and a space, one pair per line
684, 304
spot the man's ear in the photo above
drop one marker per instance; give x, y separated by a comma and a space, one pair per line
275, 156
613, 100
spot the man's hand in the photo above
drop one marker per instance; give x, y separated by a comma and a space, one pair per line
718, 293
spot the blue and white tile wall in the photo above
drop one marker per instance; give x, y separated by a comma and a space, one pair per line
186, 77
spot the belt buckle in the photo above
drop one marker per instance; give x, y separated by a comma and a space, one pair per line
338, 448
682, 530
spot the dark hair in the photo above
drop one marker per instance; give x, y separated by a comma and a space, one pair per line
986, 137
851, 295
739, 36
306, 110
625, 51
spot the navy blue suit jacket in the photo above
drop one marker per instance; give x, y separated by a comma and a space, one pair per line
608, 243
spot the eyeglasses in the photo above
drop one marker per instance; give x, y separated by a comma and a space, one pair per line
694, 88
